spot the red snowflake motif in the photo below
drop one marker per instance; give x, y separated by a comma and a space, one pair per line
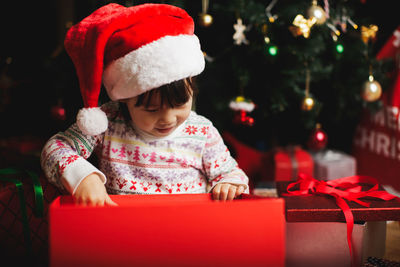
67, 162
60, 144
191, 129
204, 130
216, 165
71, 159
62, 169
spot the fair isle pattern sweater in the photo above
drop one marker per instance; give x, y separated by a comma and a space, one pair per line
131, 162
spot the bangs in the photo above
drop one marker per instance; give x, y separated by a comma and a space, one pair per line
174, 94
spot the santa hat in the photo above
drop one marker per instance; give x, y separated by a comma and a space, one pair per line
131, 50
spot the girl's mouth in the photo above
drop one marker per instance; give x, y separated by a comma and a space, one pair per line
164, 130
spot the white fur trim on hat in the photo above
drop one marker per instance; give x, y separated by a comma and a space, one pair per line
92, 121
168, 59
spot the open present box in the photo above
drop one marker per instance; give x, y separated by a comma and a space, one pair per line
316, 229
168, 230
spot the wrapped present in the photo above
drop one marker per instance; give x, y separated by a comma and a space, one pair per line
336, 223
379, 262
331, 164
168, 230
286, 163
24, 201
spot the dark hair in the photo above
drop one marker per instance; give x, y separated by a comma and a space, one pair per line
174, 94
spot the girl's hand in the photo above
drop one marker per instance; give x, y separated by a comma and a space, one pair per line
225, 191
92, 192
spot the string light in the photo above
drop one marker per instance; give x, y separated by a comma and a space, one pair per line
273, 50
339, 48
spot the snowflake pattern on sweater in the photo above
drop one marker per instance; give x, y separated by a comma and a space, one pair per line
186, 161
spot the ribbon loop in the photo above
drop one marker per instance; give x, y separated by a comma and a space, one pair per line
342, 189
39, 202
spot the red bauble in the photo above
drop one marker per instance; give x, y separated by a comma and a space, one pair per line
318, 139
242, 118
58, 112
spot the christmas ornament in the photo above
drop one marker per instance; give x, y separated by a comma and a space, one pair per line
368, 33
205, 19
239, 37
241, 117
317, 12
318, 138
242, 106
326, 8
264, 30
333, 29
302, 26
271, 17
58, 111
308, 102
355, 26
371, 90
342, 19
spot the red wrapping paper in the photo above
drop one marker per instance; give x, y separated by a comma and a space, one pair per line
168, 230
289, 162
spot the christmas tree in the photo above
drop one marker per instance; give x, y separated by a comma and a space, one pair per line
300, 70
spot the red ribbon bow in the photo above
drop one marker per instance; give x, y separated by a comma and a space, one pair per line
348, 188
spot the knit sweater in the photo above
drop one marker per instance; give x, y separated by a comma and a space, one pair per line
192, 159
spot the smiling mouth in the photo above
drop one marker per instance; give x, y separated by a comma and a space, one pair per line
164, 130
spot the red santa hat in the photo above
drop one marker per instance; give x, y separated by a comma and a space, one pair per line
130, 50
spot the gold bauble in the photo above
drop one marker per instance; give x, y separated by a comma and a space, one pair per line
317, 12
307, 103
205, 19
371, 90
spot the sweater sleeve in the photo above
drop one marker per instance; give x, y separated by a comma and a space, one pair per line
64, 158
218, 163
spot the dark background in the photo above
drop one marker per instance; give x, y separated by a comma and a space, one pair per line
37, 75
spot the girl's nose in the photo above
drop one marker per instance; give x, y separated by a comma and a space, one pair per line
168, 117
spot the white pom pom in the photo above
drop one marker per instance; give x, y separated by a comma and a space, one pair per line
92, 121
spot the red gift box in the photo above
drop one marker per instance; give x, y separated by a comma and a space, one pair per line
316, 229
168, 230
24, 202
286, 163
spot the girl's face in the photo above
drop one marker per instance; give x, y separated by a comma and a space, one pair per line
156, 119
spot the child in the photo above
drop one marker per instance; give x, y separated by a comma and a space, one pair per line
147, 139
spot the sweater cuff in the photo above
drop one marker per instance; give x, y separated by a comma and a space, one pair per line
76, 172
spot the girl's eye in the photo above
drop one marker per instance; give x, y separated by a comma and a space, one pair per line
151, 110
